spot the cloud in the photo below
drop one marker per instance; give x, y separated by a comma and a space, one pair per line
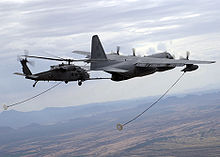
162, 47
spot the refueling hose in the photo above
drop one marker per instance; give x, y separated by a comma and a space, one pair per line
31, 98
120, 126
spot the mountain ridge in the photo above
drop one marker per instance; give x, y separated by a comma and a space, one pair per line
177, 126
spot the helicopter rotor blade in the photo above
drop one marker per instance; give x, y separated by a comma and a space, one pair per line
52, 55
55, 59
40, 57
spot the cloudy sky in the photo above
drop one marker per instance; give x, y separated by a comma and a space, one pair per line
150, 26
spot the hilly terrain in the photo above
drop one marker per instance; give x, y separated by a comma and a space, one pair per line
177, 126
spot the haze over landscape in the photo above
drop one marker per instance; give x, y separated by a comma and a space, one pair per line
81, 121
178, 126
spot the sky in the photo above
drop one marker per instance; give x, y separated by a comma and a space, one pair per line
149, 26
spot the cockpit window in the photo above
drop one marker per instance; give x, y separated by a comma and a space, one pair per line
169, 56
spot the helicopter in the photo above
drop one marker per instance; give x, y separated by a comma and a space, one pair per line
61, 72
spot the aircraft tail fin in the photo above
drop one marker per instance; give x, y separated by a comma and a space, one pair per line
97, 53
25, 68
97, 49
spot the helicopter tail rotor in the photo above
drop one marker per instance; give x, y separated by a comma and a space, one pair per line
25, 68
23, 58
24, 62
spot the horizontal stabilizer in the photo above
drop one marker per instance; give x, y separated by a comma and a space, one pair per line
29, 76
21, 74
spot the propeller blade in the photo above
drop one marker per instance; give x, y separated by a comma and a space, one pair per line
118, 49
187, 55
133, 50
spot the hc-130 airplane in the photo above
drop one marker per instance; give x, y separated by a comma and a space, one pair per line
127, 67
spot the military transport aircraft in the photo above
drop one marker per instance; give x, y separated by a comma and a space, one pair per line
127, 67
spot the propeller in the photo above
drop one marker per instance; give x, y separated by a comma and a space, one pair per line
133, 50
118, 49
187, 56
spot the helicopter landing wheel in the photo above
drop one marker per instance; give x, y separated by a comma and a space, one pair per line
35, 83
80, 83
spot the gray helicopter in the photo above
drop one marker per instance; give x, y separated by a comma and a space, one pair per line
61, 72
127, 67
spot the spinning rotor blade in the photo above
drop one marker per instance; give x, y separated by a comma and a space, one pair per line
55, 59
52, 55
40, 57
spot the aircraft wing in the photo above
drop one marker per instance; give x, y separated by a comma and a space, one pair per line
116, 70
161, 62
